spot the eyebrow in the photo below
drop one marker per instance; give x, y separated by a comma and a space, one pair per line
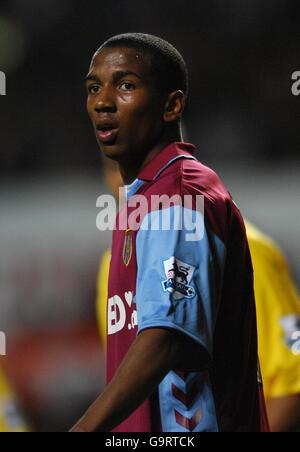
118, 75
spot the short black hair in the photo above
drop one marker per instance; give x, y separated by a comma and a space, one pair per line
167, 64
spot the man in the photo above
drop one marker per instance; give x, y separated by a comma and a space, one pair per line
278, 314
182, 347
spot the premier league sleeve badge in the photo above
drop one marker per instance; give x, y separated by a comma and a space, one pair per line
179, 276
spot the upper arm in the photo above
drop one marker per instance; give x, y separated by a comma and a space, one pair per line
179, 281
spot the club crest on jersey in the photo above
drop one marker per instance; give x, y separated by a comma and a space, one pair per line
179, 277
128, 245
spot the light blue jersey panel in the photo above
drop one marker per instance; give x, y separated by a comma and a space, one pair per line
187, 403
179, 280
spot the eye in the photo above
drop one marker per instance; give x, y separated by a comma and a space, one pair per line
93, 89
127, 86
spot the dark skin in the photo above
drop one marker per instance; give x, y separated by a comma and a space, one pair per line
122, 93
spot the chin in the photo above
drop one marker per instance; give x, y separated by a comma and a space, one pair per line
113, 152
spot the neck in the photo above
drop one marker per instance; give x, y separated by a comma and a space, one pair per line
131, 168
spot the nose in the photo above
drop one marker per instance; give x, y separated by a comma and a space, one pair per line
105, 102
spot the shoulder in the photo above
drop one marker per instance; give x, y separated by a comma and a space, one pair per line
188, 179
189, 176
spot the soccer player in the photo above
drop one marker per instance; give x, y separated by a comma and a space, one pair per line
182, 345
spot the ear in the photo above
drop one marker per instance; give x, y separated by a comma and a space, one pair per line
174, 106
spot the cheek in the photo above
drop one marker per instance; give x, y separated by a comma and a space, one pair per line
142, 115
139, 103
89, 108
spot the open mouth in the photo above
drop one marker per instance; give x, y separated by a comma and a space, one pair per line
107, 134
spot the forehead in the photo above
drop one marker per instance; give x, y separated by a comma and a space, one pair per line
110, 60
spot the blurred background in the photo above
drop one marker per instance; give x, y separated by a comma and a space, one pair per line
241, 115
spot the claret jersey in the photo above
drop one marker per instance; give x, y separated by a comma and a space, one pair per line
186, 266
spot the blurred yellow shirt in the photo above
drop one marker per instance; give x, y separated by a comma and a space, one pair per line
102, 295
278, 314
10, 419
278, 317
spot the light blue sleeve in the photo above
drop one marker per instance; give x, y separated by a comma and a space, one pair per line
179, 281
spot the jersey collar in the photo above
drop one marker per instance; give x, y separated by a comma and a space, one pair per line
165, 158
158, 164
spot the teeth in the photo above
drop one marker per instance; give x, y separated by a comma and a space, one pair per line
106, 128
